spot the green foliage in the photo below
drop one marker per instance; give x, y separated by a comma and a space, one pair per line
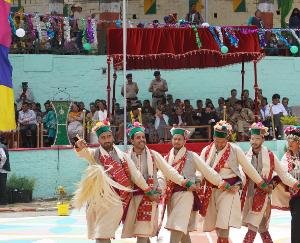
20, 183
289, 120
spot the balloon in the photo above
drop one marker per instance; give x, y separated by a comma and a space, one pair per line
224, 49
294, 49
20, 32
118, 23
87, 46
205, 25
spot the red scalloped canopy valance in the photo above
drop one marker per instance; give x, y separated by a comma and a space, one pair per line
175, 48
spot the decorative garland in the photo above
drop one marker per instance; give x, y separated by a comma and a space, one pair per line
230, 34
198, 41
94, 27
89, 31
293, 49
67, 30
37, 24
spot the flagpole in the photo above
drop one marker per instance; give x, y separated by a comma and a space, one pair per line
206, 11
124, 68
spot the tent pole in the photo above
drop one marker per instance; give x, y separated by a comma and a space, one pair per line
256, 92
108, 86
114, 93
243, 80
124, 68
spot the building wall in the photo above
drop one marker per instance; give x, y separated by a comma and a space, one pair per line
223, 9
83, 79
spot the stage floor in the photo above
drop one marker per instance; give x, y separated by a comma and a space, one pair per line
58, 229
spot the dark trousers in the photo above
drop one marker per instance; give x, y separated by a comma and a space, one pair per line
295, 213
28, 134
3, 179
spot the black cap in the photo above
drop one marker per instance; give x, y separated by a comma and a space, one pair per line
129, 75
156, 73
24, 83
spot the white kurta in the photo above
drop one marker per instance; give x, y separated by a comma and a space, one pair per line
181, 216
103, 222
224, 209
133, 227
261, 163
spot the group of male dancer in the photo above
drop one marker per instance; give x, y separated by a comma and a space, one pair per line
223, 185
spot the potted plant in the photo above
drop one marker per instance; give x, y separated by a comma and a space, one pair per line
20, 188
62, 204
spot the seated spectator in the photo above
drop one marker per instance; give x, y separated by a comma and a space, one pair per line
198, 113
241, 120
28, 128
265, 113
209, 116
178, 119
75, 118
232, 99
257, 20
194, 17
220, 108
161, 121
273, 46
247, 101
101, 113
294, 20
50, 123
209, 101
36, 107
188, 112
177, 103
118, 117
93, 139
277, 110
170, 106
285, 103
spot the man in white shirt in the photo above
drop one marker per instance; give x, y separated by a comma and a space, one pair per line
4, 169
277, 110
27, 121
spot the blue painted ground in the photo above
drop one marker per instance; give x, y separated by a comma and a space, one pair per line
59, 229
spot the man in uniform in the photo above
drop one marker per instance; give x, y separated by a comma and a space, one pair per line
222, 209
142, 216
257, 203
109, 167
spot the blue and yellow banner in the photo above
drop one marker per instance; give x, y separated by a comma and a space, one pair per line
239, 5
150, 6
7, 110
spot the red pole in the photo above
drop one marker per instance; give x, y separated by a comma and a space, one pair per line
114, 93
243, 81
256, 93
108, 86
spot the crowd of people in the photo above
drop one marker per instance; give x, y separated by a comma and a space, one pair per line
157, 115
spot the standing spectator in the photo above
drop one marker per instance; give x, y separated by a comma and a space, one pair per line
101, 113
132, 89
24, 95
4, 169
257, 20
158, 88
27, 121
50, 123
194, 17
285, 103
75, 119
277, 110
161, 121
232, 99
294, 21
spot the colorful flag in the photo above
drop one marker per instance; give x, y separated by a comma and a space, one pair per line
239, 5
7, 110
150, 6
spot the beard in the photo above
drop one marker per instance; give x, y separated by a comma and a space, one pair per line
108, 146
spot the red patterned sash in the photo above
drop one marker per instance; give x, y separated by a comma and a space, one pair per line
206, 186
144, 211
119, 172
170, 185
259, 195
